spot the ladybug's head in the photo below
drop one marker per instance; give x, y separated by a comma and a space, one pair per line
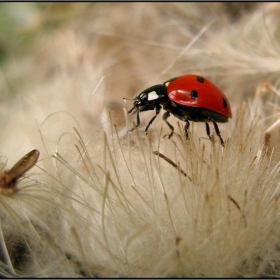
149, 98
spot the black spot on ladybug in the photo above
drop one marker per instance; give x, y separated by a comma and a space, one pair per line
200, 79
224, 102
194, 94
171, 80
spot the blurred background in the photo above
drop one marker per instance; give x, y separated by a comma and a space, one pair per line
136, 45
65, 65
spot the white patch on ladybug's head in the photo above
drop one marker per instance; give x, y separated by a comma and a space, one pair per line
167, 84
152, 95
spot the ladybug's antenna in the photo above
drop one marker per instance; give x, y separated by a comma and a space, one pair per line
127, 98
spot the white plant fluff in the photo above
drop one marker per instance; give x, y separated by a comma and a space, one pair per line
101, 201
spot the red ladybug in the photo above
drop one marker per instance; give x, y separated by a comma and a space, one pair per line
188, 98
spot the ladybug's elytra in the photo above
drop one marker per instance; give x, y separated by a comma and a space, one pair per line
188, 98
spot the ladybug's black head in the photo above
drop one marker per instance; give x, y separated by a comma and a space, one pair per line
149, 98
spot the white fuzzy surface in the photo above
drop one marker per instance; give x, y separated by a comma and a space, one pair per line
100, 202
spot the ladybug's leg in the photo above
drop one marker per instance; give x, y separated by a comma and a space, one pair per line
137, 120
158, 108
217, 131
141, 109
187, 125
208, 130
166, 115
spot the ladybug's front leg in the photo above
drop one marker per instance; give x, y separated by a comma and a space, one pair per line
141, 109
137, 121
158, 108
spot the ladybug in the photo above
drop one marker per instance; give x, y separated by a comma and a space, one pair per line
188, 98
